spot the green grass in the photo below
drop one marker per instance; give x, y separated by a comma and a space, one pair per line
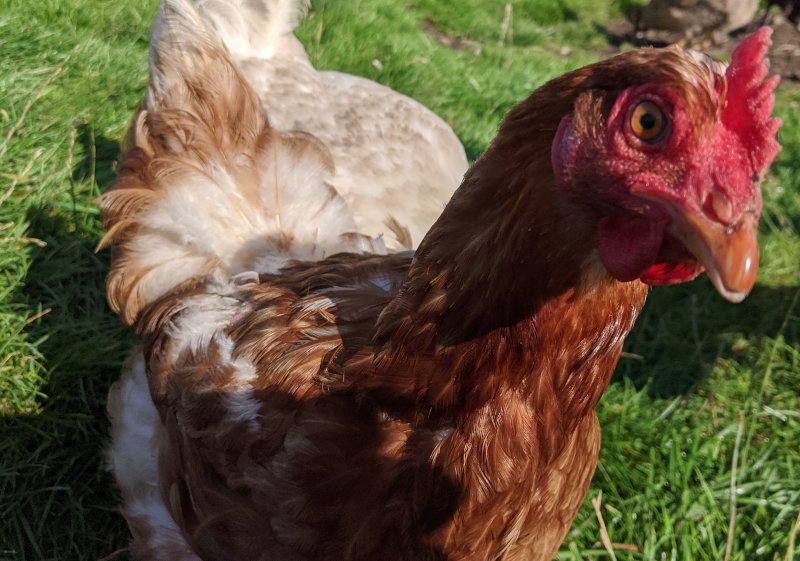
703, 382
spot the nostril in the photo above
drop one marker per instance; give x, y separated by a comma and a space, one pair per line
718, 205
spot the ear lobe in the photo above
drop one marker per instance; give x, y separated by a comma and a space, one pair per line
562, 152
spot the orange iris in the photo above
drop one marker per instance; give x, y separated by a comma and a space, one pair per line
647, 121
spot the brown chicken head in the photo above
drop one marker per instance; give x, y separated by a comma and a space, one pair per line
671, 163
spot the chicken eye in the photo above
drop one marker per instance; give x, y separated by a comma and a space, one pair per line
647, 121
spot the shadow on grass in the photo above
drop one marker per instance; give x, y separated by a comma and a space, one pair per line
62, 501
473, 147
101, 153
685, 329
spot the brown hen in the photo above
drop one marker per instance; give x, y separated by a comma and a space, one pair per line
435, 405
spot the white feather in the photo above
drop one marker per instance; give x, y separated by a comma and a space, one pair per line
133, 457
252, 27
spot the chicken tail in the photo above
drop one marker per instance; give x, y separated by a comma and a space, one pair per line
253, 28
208, 188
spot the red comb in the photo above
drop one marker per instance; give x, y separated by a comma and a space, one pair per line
750, 100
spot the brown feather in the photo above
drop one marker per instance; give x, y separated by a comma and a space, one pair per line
439, 406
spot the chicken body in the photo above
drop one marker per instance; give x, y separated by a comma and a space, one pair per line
428, 405
270, 456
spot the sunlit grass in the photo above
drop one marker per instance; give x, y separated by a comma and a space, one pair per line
702, 380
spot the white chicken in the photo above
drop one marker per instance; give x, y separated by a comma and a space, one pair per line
389, 150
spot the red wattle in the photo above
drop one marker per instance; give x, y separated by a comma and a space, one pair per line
664, 273
628, 244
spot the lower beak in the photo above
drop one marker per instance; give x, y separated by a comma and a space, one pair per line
729, 253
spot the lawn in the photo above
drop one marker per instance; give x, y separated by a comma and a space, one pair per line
701, 424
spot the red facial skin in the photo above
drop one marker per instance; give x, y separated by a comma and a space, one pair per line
620, 168
705, 166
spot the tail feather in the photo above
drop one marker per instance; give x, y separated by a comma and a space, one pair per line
252, 28
208, 188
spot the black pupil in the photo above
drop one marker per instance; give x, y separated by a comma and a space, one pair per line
648, 121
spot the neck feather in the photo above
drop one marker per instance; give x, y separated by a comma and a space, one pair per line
506, 287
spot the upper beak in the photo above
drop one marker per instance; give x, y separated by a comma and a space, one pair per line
729, 253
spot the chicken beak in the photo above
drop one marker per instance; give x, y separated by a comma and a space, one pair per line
729, 253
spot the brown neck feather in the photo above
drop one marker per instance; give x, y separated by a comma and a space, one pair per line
503, 282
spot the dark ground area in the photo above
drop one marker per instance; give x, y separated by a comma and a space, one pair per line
784, 54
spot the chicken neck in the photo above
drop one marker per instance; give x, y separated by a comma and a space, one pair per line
506, 293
